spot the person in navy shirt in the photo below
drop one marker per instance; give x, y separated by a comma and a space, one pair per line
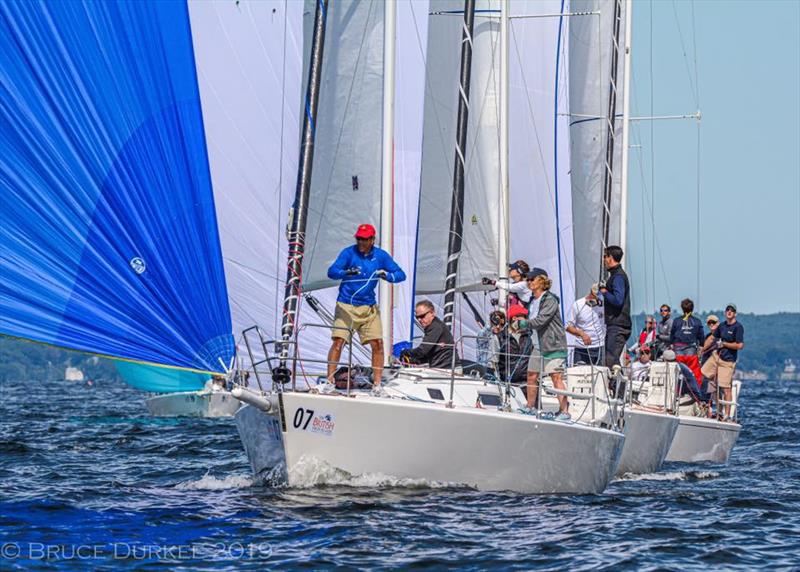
617, 300
360, 267
687, 336
722, 363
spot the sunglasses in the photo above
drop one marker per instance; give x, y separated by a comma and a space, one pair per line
665, 310
731, 310
422, 315
712, 323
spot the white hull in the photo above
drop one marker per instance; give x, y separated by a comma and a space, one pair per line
699, 439
648, 437
485, 449
193, 404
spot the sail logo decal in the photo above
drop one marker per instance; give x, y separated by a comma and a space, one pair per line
138, 265
306, 420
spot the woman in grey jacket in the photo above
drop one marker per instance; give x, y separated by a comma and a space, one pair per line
552, 355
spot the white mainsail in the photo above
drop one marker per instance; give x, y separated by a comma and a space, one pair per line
591, 49
540, 221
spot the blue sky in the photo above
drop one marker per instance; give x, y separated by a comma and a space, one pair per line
748, 84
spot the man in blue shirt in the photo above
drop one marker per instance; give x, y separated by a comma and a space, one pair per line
722, 363
617, 301
359, 267
687, 335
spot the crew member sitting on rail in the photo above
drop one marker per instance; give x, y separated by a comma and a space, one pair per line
437, 347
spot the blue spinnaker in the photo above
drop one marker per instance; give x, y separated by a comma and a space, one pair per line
108, 232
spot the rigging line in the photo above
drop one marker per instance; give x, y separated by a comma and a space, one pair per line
310, 252
692, 81
697, 157
281, 235
656, 244
652, 158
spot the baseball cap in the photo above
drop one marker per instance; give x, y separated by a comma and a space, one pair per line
516, 310
732, 307
535, 272
668, 355
365, 231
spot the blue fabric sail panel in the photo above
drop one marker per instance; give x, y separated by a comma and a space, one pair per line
109, 238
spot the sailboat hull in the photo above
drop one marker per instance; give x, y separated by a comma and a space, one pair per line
488, 450
193, 404
703, 440
648, 437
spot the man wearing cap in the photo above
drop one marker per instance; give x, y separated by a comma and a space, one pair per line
617, 301
722, 363
663, 330
359, 267
589, 327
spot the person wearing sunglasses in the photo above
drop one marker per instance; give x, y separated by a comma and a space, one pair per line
663, 330
648, 334
710, 343
722, 363
436, 348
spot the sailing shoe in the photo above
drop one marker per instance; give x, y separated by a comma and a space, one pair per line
378, 391
527, 411
563, 416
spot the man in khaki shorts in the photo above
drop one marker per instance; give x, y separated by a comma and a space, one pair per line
722, 363
359, 267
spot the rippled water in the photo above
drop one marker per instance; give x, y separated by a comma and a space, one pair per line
87, 478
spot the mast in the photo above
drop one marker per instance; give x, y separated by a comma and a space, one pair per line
386, 299
457, 204
626, 100
608, 182
503, 251
297, 225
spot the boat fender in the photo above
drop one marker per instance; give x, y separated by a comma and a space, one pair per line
266, 403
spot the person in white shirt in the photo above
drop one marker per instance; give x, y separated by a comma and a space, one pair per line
515, 284
640, 369
589, 327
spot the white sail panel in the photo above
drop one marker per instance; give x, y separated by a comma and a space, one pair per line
248, 58
346, 176
591, 39
412, 31
481, 232
540, 204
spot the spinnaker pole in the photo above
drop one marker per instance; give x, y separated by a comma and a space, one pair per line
611, 118
297, 224
457, 204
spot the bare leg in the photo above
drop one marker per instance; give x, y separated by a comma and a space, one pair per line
533, 388
377, 361
333, 356
558, 383
727, 392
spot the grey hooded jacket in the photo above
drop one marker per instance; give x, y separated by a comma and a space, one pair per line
548, 325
